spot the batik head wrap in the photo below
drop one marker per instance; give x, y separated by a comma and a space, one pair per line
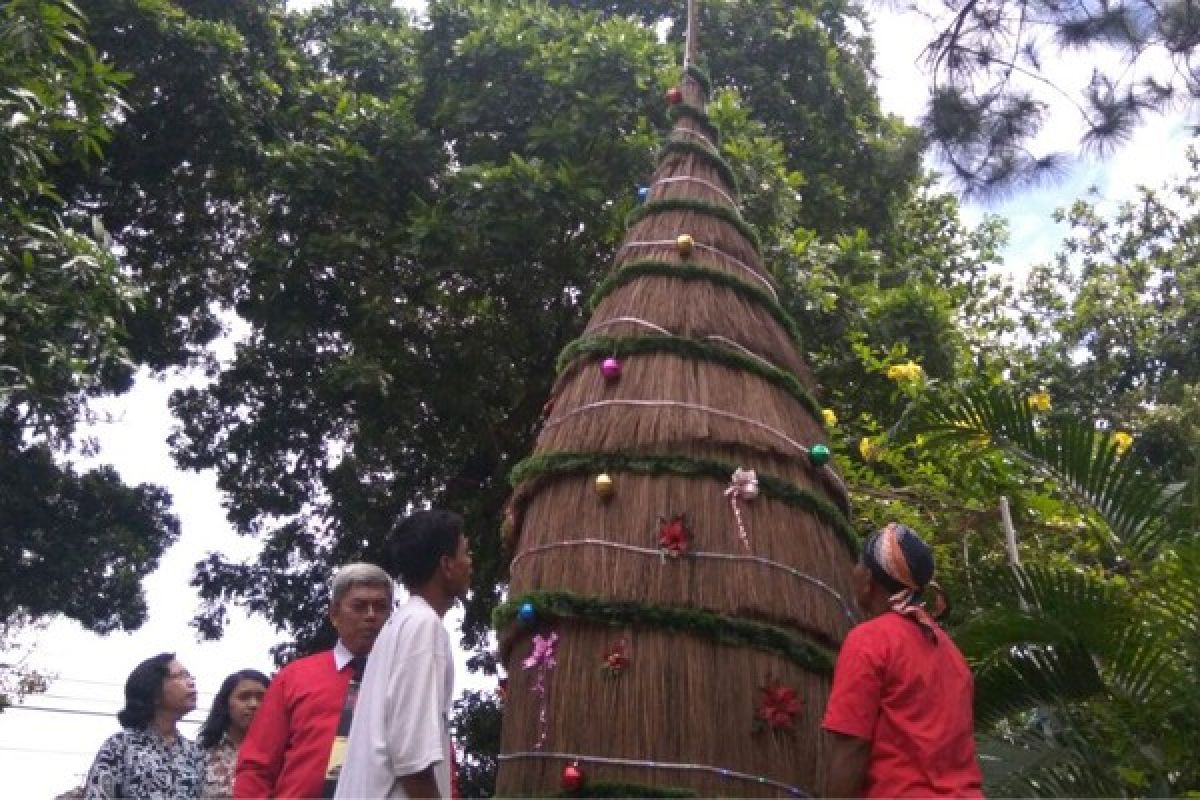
903, 565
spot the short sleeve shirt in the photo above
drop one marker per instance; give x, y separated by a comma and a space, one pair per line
142, 764
911, 699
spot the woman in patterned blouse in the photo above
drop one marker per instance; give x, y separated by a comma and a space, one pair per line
149, 759
226, 726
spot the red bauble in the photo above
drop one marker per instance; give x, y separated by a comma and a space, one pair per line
572, 777
674, 95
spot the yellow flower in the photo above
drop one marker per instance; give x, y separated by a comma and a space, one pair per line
868, 449
909, 371
1122, 441
1039, 401
830, 417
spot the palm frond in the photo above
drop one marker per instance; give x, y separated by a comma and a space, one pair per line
1060, 635
1077, 602
1034, 764
1016, 680
1084, 461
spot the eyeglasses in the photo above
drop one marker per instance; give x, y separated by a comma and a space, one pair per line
363, 606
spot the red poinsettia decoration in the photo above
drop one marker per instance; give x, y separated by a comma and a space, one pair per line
673, 536
778, 706
617, 659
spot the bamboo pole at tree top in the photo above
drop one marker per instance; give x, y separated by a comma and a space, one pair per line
689, 51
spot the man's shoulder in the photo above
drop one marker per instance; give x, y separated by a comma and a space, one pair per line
876, 633
306, 665
412, 623
417, 614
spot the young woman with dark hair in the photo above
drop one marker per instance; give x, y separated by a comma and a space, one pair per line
149, 759
221, 734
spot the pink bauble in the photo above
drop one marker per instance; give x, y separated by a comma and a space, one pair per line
610, 368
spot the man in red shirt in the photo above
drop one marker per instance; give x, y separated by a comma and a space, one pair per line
286, 752
899, 716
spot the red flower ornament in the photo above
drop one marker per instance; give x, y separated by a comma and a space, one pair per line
616, 659
674, 536
778, 707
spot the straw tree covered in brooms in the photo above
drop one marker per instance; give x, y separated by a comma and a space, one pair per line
680, 547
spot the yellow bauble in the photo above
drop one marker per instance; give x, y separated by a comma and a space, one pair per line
604, 485
684, 244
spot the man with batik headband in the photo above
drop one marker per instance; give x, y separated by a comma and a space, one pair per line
899, 717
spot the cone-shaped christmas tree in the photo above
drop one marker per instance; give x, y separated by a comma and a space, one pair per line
681, 554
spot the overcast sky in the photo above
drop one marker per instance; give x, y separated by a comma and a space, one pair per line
43, 753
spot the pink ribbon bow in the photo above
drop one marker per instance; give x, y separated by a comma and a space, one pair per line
742, 486
542, 654
541, 658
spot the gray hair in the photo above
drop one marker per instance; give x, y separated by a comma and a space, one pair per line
359, 574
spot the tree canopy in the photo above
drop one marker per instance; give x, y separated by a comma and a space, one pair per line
71, 543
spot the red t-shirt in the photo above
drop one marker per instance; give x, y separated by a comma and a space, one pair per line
911, 699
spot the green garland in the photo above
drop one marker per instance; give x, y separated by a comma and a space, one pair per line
702, 624
701, 77
690, 272
630, 790
697, 115
706, 154
688, 348
575, 463
723, 213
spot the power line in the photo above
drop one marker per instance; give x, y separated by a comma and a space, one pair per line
53, 696
118, 684
49, 752
81, 712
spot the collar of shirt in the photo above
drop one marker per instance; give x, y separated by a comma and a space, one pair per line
341, 656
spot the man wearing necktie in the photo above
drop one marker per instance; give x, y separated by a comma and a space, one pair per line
292, 749
400, 737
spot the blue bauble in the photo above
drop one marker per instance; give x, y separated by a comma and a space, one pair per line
643, 193
527, 613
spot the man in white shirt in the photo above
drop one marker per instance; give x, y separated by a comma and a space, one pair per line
400, 738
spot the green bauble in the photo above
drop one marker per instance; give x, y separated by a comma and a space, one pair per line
819, 455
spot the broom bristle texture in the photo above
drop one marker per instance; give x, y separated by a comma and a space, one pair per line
682, 711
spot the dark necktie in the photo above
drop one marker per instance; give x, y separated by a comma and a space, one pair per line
337, 753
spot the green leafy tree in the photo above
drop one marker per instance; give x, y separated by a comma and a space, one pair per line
1085, 669
1110, 323
434, 204
175, 188
441, 233
802, 71
62, 299
70, 543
